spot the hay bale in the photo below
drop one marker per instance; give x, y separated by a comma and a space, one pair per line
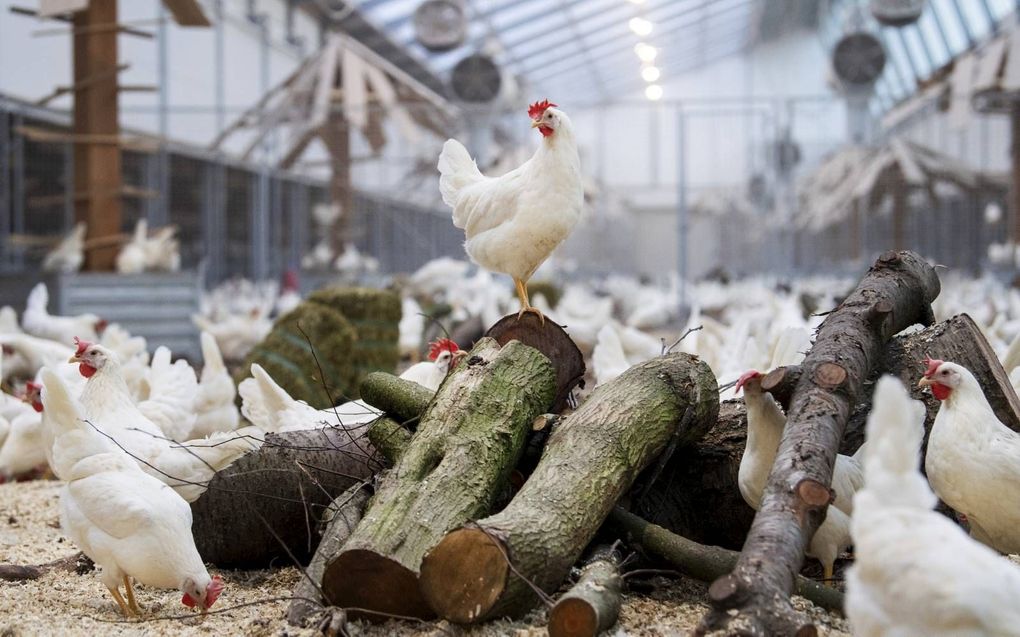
375, 316
286, 356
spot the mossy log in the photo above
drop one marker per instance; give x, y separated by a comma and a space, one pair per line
486, 569
592, 605
703, 562
389, 437
895, 293
403, 400
266, 506
342, 515
467, 443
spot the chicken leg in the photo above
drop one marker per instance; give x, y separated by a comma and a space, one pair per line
522, 294
132, 604
124, 608
827, 572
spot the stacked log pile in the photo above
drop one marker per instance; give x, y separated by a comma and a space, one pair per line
495, 487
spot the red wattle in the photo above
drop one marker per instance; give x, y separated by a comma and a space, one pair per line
36, 405
940, 391
545, 130
86, 370
188, 601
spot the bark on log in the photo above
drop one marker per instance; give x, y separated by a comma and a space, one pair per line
78, 563
592, 605
389, 437
592, 457
269, 502
404, 400
342, 516
897, 292
550, 339
704, 562
467, 444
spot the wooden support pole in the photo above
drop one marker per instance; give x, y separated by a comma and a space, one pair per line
97, 166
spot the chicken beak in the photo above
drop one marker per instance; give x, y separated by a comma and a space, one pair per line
925, 382
457, 358
535, 123
74, 359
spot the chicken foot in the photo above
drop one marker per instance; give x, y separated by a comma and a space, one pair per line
124, 608
522, 294
132, 604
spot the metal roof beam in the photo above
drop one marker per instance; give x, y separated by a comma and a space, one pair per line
630, 40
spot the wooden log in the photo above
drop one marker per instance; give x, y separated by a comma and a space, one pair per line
487, 569
704, 562
895, 293
404, 400
266, 506
592, 605
550, 339
453, 469
389, 437
342, 515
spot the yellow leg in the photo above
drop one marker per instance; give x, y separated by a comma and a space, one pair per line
827, 575
132, 604
127, 612
522, 294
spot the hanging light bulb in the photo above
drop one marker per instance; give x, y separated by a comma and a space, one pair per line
640, 26
646, 52
653, 92
650, 73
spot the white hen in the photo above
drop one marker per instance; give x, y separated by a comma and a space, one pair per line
973, 459
765, 423
186, 466
131, 524
916, 573
172, 388
37, 321
515, 221
68, 255
214, 403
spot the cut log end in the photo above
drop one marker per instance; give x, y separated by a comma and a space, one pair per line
464, 576
815, 494
725, 592
365, 579
573, 618
830, 375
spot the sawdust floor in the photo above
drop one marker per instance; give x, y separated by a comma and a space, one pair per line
64, 603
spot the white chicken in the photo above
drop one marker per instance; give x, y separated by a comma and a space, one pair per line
22, 451
514, 222
171, 391
68, 255
916, 573
618, 348
25, 355
37, 321
290, 293
412, 328
268, 406
972, 458
9, 320
186, 466
236, 334
214, 403
160, 252
765, 423
132, 525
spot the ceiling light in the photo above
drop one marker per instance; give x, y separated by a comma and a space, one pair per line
640, 26
650, 73
646, 52
653, 92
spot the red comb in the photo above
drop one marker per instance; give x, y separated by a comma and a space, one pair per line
442, 345
746, 376
82, 346
33, 386
933, 366
535, 110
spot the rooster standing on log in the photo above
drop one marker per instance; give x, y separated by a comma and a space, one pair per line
514, 222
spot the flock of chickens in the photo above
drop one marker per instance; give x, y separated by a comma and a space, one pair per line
159, 251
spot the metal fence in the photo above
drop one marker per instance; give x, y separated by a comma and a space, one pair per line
234, 218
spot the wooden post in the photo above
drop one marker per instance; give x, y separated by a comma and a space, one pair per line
97, 165
337, 137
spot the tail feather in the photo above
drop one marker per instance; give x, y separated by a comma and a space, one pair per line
172, 389
894, 434
456, 169
38, 298
1012, 357
262, 399
220, 449
211, 356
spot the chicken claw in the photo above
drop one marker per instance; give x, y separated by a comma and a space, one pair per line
132, 604
533, 310
124, 608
